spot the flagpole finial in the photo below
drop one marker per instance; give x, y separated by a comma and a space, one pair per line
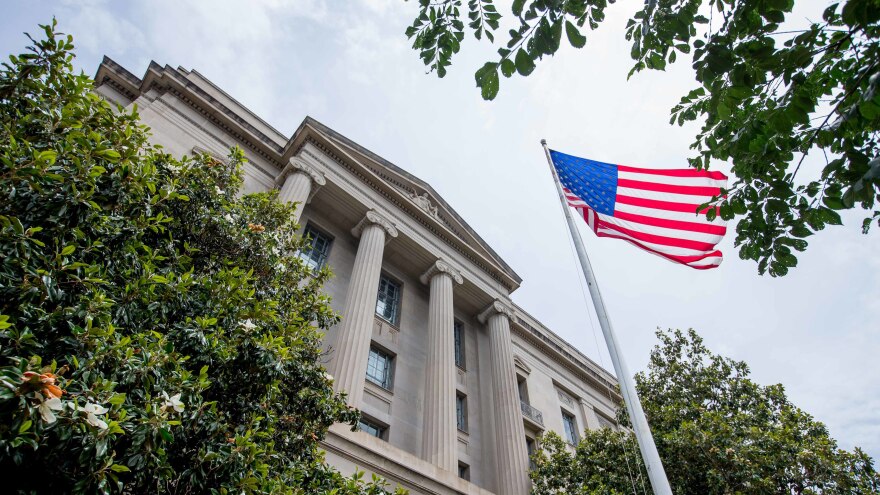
543, 142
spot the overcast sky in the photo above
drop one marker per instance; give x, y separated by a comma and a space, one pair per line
349, 65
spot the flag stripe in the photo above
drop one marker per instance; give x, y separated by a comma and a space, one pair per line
669, 188
661, 239
672, 180
661, 205
662, 196
676, 172
672, 224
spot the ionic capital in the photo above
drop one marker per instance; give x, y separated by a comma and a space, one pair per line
374, 218
296, 164
497, 307
441, 266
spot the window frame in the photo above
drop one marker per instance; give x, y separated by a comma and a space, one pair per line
381, 429
459, 345
388, 368
464, 471
570, 427
395, 315
314, 232
461, 412
531, 448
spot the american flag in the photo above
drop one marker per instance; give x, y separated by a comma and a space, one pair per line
655, 209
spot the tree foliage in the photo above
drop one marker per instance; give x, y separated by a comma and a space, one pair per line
717, 432
158, 334
766, 97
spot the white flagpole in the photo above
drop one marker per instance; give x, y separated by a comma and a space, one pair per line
656, 473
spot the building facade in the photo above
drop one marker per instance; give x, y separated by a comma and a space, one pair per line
455, 381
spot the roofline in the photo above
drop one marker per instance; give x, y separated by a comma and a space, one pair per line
311, 121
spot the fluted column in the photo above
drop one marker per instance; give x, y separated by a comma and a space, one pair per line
349, 357
511, 457
298, 181
439, 437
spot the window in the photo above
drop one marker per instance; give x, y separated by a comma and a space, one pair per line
388, 302
314, 253
461, 412
464, 471
523, 389
570, 425
379, 367
530, 448
458, 329
373, 428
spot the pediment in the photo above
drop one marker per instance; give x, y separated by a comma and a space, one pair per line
416, 192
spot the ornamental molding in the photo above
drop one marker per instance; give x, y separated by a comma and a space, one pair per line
374, 218
498, 307
424, 202
521, 364
297, 165
441, 266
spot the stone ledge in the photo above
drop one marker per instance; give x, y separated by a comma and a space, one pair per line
397, 466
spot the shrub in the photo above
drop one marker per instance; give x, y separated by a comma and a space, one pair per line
158, 332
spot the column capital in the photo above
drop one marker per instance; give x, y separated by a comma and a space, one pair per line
497, 307
296, 164
441, 266
373, 217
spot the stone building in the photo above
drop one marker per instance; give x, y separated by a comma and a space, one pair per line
455, 381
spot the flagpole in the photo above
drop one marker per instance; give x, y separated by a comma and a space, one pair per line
656, 473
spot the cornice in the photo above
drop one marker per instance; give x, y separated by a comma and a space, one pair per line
562, 357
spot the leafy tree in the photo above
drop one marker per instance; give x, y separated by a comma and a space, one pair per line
157, 332
717, 432
768, 94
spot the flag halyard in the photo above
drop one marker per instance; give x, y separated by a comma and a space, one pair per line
653, 209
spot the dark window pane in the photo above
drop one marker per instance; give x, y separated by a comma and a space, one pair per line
570, 428
379, 368
461, 412
388, 300
371, 428
314, 253
458, 329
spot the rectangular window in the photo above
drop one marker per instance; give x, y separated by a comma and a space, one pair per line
464, 471
379, 367
388, 301
372, 428
570, 425
461, 412
458, 329
314, 253
530, 448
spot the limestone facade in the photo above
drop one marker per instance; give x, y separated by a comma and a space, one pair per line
454, 380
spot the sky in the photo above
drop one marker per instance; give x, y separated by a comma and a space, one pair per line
349, 65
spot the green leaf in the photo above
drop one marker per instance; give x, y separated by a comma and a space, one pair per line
119, 468
487, 80
25, 426
508, 68
524, 63
575, 37
69, 249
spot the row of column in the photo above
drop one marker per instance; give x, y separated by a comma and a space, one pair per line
348, 362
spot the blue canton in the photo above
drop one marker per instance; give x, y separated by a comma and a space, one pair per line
594, 182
